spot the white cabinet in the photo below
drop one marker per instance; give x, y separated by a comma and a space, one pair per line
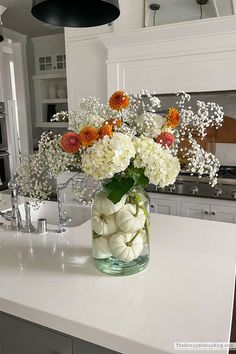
53, 63
195, 210
194, 207
223, 213
215, 212
164, 206
86, 70
86, 64
45, 105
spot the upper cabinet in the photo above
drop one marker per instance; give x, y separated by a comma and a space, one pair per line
49, 54
51, 63
50, 82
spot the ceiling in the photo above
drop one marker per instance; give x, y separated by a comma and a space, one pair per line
18, 18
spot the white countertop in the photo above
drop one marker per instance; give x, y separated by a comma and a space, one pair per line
185, 295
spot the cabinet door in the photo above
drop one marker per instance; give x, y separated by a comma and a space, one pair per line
164, 206
195, 210
223, 213
83, 347
86, 63
20, 337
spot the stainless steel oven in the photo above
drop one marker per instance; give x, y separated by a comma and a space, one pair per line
4, 154
3, 128
4, 170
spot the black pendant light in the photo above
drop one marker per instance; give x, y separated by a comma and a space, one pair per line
2, 10
76, 13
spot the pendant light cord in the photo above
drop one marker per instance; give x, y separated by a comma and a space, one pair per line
154, 18
201, 12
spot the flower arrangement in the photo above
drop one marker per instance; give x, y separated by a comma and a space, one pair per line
125, 142
125, 145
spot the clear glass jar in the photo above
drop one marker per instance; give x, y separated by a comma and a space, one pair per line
121, 232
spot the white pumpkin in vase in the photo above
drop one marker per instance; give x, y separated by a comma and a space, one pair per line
103, 225
126, 247
130, 218
105, 205
101, 247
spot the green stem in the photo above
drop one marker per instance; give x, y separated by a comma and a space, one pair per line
135, 203
95, 236
147, 223
129, 243
137, 207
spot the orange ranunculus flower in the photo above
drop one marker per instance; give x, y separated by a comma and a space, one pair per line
173, 118
119, 100
106, 129
70, 142
115, 122
88, 136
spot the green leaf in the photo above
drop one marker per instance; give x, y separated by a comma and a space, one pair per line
117, 188
137, 174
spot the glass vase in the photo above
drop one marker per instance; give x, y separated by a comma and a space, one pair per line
121, 232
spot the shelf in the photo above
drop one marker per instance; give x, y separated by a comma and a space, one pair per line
50, 76
52, 124
54, 100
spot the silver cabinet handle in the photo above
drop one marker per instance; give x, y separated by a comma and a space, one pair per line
205, 212
213, 213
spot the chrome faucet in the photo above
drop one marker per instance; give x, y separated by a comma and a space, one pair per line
13, 215
28, 228
63, 217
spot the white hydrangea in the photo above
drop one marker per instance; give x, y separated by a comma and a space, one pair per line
108, 156
149, 124
159, 165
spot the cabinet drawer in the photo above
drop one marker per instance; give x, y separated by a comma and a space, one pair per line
195, 210
164, 206
20, 337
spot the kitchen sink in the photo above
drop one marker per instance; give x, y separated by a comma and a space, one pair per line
49, 210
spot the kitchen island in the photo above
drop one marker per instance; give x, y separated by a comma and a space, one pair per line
185, 295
